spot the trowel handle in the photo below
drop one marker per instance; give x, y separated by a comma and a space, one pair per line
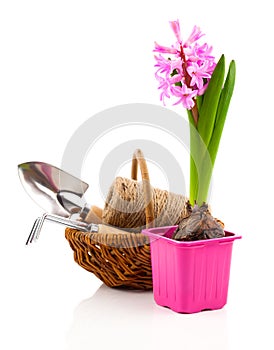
78, 225
94, 215
105, 229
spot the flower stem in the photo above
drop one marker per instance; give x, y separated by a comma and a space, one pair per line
194, 110
195, 113
193, 181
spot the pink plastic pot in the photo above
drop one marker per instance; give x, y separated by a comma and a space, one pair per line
192, 276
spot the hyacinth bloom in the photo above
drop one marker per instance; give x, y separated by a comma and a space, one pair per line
187, 72
184, 69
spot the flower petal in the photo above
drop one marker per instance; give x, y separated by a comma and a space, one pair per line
175, 26
195, 35
164, 49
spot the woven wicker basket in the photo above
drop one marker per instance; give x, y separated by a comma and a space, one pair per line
122, 258
119, 260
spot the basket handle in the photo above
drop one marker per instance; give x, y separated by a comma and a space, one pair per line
138, 159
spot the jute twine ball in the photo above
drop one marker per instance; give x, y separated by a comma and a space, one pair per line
125, 205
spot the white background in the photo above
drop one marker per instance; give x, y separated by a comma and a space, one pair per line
62, 62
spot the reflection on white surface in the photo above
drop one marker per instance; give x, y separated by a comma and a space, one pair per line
118, 319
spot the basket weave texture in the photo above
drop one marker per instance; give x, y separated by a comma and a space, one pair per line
123, 259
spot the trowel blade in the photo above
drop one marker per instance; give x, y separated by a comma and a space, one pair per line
47, 185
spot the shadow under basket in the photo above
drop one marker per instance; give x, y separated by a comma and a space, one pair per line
189, 277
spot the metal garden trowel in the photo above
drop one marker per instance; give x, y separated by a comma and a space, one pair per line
53, 189
60, 194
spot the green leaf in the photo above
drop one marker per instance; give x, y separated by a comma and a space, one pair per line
207, 113
205, 138
199, 102
178, 84
222, 111
174, 72
213, 146
199, 158
206, 171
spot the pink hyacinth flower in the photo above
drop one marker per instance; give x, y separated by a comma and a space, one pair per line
197, 74
187, 68
185, 96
